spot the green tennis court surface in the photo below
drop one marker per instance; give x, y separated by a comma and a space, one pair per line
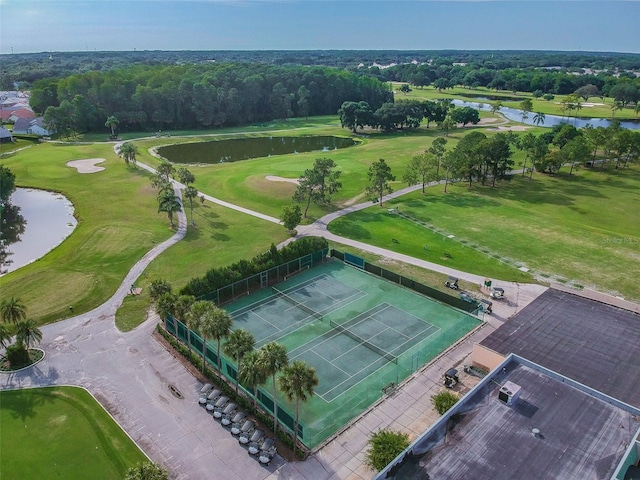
359, 331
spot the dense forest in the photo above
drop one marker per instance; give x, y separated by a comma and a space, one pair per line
151, 90
141, 97
30, 67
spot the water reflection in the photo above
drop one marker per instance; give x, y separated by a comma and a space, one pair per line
47, 220
12, 225
515, 115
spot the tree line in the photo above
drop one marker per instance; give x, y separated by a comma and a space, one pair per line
26, 68
198, 96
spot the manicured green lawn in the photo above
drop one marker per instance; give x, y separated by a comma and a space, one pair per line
61, 432
117, 224
580, 227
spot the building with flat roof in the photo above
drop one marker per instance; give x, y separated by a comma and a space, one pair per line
572, 367
524, 421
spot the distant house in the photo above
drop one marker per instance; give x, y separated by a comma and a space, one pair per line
5, 135
32, 126
12, 115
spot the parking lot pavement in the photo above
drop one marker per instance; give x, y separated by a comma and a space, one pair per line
130, 374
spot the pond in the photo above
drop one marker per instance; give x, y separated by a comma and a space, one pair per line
49, 220
515, 115
221, 151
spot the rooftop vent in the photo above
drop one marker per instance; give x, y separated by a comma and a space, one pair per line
509, 393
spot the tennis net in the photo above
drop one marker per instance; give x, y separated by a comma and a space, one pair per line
358, 338
300, 305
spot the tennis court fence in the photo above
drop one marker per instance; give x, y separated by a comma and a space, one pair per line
404, 281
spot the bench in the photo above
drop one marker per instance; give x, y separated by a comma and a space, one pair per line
389, 387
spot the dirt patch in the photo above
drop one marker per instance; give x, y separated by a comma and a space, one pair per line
86, 166
484, 121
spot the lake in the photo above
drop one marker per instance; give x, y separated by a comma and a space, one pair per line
237, 149
49, 220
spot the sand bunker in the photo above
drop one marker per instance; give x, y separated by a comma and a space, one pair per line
513, 128
86, 166
273, 178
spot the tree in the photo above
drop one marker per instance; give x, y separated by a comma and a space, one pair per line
384, 446
291, 217
7, 184
165, 305
212, 323
447, 124
317, 184
184, 175
239, 343
250, 373
437, 149
405, 88
421, 169
297, 382
146, 471
157, 288
12, 310
443, 401
191, 193
450, 165
304, 101
465, 115
112, 122
273, 358
28, 334
128, 152
5, 335
539, 118
355, 114
575, 152
379, 177
165, 171
495, 107
169, 202
587, 91
526, 106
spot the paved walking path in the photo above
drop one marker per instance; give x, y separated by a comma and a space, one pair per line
130, 374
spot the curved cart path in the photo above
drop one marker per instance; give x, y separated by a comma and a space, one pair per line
130, 375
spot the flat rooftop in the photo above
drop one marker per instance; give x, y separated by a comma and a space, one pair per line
581, 436
591, 342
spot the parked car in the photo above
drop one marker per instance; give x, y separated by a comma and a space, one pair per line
219, 406
255, 442
204, 392
228, 413
452, 282
267, 451
237, 422
487, 306
212, 398
246, 431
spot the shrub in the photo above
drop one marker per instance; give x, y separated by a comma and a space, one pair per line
147, 471
384, 446
17, 356
443, 401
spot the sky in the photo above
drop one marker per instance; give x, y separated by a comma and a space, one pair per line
114, 25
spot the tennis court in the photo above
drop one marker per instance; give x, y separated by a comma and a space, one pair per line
360, 332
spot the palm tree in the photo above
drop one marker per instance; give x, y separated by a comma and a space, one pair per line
165, 304
185, 176
250, 372
212, 322
191, 193
12, 310
28, 334
297, 382
239, 343
5, 335
169, 202
538, 118
128, 152
112, 122
199, 317
273, 357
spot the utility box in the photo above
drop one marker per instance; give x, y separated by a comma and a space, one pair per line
509, 393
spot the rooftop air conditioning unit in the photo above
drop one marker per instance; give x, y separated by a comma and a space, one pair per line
509, 393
